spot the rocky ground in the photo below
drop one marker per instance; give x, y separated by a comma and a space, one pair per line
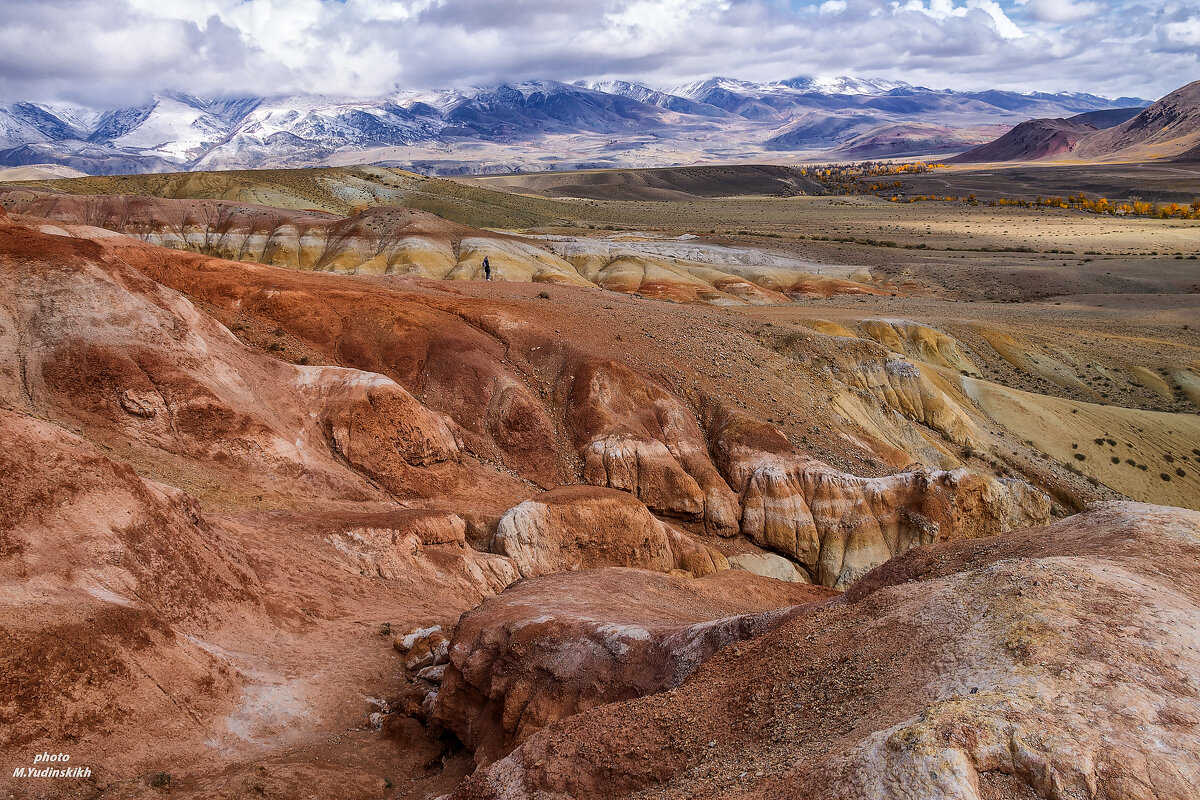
1014, 667
273, 529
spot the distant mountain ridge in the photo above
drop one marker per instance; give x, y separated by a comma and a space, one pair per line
605, 123
1168, 128
1106, 118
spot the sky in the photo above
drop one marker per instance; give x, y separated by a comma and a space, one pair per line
109, 53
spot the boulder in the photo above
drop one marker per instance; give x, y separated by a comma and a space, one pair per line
577, 527
769, 565
558, 645
423, 648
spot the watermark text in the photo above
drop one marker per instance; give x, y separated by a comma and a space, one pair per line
52, 765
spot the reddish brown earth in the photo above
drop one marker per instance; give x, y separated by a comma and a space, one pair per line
244, 508
1057, 662
1029, 141
560, 645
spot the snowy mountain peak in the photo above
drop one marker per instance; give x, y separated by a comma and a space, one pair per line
178, 130
844, 85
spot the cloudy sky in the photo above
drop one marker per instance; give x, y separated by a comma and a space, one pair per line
114, 52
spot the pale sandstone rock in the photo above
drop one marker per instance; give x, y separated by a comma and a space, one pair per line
899, 385
637, 437
840, 526
769, 565
578, 527
512, 260
433, 674
918, 341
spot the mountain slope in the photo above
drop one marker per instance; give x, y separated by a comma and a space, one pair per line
1029, 141
645, 94
1106, 118
1169, 127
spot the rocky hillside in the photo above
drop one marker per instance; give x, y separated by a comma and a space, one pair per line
915, 139
984, 669
1029, 141
1169, 127
404, 241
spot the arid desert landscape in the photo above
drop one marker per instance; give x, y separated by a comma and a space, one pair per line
725, 492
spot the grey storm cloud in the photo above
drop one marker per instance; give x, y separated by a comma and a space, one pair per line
119, 51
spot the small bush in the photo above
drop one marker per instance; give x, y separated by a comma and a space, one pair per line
544, 295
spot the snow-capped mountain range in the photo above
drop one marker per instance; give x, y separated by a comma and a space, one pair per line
594, 122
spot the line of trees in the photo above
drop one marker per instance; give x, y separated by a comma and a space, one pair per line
848, 178
1080, 202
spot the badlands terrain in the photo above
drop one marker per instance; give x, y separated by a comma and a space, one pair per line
720, 488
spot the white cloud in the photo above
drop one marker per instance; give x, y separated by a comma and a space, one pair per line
1004, 26
946, 9
1186, 33
107, 52
1059, 11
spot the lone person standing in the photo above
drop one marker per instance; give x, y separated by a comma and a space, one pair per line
487, 269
